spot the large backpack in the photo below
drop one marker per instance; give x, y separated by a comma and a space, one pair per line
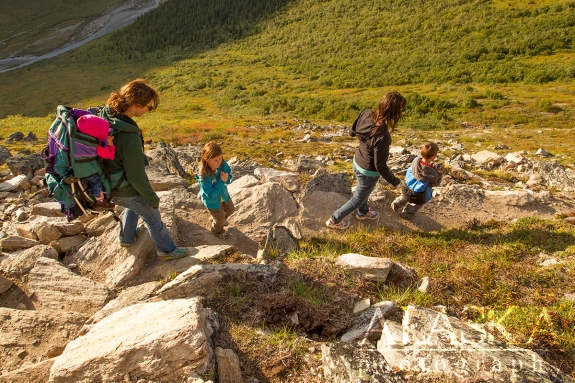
70, 156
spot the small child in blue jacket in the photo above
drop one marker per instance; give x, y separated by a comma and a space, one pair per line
215, 174
420, 178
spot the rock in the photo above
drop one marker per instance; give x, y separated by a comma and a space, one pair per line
343, 363
542, 153
534, 180
31, 331
65, 244
430, 342
66, 228
424, 285
260, 206
58, 288
14, 242
47, 209
100, 224
13, 183
326, 182
272, 175
487, 158
16, 136
163, 182
117, 343
279, 240
198, 278
19, 265
25, 164
229, 370
316, 208
46, 233
127, 297
370, 323
361, 305
515, 158
4, 154
32, 373
25, 230
369, 268
165, 161
5, 284
510, 198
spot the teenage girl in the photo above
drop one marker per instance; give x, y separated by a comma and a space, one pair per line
372, 128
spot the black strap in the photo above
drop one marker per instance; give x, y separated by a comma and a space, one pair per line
86, 159
117, 187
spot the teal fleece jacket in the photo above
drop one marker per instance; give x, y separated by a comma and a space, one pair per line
129, 158
212, 189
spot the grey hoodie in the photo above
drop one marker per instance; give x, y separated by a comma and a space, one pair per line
373, 152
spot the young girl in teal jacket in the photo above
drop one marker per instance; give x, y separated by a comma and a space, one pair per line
215, 174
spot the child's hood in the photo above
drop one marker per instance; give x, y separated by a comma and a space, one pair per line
94, 126
423, 172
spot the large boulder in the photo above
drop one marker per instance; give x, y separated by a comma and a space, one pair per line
166, 340
259, 207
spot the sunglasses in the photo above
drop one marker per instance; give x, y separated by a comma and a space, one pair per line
150, 107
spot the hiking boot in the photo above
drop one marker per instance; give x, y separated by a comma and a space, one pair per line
136, 236
341, 225
371, 214
103, 206
222, 234
176, 254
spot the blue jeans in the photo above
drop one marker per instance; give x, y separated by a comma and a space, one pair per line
365, 186
139, 207
96, 186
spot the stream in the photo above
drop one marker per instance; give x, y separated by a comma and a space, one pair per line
119, 18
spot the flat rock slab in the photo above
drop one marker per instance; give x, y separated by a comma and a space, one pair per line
370, 268
164, 340
56, 287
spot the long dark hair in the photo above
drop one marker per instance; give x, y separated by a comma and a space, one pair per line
136, 92
388, 112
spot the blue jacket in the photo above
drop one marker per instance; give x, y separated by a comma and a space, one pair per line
420, 179
212, 189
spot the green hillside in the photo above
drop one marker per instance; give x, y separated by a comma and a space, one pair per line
219, 64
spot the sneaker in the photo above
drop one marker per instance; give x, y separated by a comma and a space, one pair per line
222, 234
371, 214
180, 252
341, 225
136, 236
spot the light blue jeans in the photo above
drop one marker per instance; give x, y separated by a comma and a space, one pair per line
139, 207
365, 186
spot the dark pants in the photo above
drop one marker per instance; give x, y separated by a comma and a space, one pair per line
219, 216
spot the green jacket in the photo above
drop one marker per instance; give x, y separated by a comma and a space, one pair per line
129, 158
